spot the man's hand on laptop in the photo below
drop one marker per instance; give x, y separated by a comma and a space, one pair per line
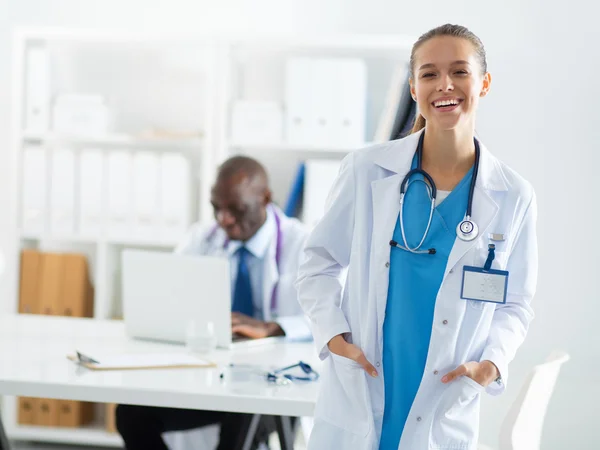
252, 328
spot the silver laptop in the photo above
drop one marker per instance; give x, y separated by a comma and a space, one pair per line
163, 292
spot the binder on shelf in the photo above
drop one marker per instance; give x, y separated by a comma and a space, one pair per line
62, 192
30, 274
293, 206
55, 284
47, 412
34, 187
119, 193
27, 411
37, 90
146, 171
51, 283
74, 414
92, 184
298, 101
350, 100
175, 195
324, 109
77, 289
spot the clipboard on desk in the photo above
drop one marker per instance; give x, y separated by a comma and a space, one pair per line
141, 361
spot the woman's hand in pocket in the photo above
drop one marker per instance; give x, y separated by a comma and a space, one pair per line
483, 372
340, 347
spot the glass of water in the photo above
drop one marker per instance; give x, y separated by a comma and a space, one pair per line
200, 336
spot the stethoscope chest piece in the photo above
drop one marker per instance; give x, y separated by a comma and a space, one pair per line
467, 230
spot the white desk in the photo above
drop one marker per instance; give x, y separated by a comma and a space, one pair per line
33, 363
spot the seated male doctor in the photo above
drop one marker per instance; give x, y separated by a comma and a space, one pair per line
264, 248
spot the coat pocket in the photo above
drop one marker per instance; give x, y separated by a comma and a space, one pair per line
456, 420
326, 436
343, 396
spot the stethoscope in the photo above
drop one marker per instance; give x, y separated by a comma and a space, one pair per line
310, 374
466, 230
238, 372
278, 246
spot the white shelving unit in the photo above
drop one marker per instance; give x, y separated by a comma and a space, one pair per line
100, 241
254, 68
239, 147
92, 435
186, 85
110, 141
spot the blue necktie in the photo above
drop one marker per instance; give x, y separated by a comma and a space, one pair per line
242, 296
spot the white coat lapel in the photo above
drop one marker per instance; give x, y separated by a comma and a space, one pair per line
270, 278
386, 201
396, 159
485, 209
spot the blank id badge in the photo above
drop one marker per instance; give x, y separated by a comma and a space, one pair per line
483, 285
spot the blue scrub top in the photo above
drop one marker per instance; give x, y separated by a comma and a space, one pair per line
414, 282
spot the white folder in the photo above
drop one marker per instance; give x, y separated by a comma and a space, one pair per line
35, 178
298, 98
91, 193
326, 101
319, 177
323, 109
146, 173
37, 90
350, 98
175, 195
62, 192
119, 194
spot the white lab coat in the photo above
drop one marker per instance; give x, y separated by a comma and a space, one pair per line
354, 234
210, 240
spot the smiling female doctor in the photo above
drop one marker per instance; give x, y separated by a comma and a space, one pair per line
430, 314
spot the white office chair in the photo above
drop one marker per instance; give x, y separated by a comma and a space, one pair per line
522, 426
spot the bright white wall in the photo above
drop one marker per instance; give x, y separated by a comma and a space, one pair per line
540, 118
4, 118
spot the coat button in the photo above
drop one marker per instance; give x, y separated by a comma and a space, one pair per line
419, 419
387, 264
378, 364
435, 372
445, 322
451, 270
